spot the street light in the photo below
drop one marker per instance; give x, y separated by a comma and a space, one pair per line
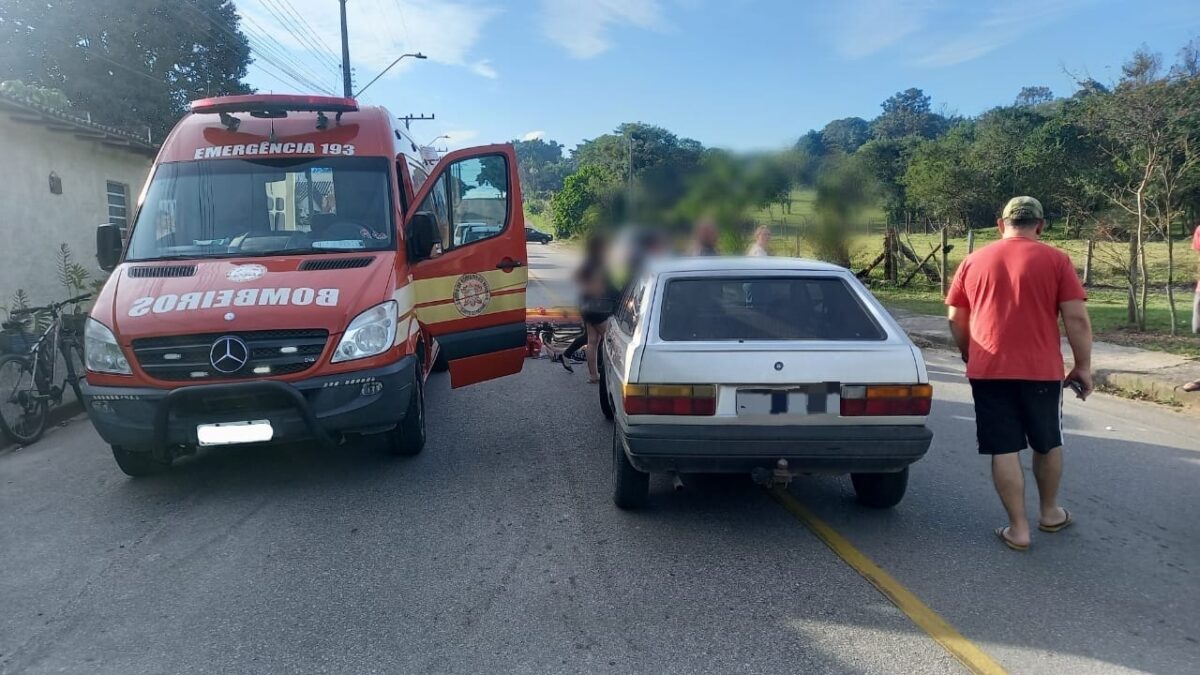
437, 138
417, 55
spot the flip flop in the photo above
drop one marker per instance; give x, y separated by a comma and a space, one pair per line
1058, 527
1009, 542
1191, 386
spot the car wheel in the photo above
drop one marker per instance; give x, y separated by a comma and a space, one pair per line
408, 438
880, 490
606, 403
631, 488
138, 463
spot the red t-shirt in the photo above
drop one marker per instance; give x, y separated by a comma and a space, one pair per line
1012, 289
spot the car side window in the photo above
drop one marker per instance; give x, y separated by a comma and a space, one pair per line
629, 313
478, 192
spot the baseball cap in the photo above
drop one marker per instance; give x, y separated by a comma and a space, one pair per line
1023, 208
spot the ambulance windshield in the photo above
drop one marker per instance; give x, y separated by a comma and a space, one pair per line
262, 207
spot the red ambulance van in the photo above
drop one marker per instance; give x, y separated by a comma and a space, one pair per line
295, 271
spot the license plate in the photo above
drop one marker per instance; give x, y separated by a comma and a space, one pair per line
231, 433
803, 400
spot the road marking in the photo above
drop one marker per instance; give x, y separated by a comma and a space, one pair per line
974, 658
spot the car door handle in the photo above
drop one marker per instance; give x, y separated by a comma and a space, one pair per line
508, 264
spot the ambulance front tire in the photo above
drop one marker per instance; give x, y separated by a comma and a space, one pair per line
137, 463
408, 438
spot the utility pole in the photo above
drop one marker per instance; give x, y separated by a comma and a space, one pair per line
347, 87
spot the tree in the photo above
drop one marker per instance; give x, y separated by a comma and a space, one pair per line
585, 201
846, 134
540, 164
1030, 97
907, 113
943, 180
886, 160
1149, 129
129, 63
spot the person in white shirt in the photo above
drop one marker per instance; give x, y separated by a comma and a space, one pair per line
762, 242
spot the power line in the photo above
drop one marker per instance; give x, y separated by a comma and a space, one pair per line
292, 27
264, 46
295, 75
327, 50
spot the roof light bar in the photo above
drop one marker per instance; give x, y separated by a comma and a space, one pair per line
273, 103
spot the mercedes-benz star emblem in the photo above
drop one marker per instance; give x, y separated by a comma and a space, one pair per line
228, 354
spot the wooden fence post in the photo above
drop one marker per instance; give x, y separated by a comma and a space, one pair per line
945, 261
970, 241
1087, 262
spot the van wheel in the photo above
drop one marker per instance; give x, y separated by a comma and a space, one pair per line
408, 438
880, 490
631, 488
606, 403
138, 463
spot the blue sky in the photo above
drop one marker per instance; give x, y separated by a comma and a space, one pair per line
742, 74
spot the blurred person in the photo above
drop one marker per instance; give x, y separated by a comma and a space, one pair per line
1196, 295
704, 239
1004, 306
597, 298
762, 242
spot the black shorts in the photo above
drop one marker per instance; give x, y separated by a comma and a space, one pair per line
1011, 415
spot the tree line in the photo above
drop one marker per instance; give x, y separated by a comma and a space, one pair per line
1117, 161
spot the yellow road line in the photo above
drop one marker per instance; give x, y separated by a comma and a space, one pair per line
974, 658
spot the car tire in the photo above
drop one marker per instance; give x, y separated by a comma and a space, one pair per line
138, 463
408, 438
880, 490
606, 402
631, 488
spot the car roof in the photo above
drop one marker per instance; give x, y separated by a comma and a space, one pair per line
719, 264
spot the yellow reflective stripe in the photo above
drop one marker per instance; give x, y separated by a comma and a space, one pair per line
447, 311
442, 288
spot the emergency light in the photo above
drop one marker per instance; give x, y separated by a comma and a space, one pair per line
273, 104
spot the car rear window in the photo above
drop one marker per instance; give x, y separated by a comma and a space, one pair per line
765, 308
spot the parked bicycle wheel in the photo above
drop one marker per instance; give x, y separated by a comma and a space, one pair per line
22, 408
72, 351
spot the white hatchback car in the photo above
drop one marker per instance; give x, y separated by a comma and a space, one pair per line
770, 366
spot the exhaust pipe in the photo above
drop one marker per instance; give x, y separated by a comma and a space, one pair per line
677, 482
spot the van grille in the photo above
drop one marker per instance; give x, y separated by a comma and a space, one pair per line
162, 271
334, 264
186, 357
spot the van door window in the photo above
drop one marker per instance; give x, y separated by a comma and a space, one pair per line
470, 201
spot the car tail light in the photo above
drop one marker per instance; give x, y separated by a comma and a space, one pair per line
670, 399
886, 400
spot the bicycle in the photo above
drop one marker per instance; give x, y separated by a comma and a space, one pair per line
27, 381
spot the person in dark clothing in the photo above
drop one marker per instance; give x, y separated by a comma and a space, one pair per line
704, 239
596, 302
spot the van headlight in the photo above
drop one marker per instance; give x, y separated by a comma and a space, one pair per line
370, 333
101, 353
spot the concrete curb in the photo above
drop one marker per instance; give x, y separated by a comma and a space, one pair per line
1157, 386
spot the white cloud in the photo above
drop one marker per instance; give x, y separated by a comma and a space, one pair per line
863, 28
582, 27
937, 33
1004, 24
534, 135
446, 31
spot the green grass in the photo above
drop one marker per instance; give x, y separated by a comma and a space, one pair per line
541, 222
1106, 307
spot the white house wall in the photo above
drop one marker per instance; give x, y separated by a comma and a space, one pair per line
33, 222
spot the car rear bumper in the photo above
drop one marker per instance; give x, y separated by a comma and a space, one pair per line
735, 449
319, 408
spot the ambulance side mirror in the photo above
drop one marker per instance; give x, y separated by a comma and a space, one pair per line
423, 235
108, 246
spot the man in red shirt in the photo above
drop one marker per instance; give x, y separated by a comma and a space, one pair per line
1004, 307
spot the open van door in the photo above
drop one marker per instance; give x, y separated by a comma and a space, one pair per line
465, 235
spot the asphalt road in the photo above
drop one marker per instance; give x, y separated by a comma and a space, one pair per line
498, 550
